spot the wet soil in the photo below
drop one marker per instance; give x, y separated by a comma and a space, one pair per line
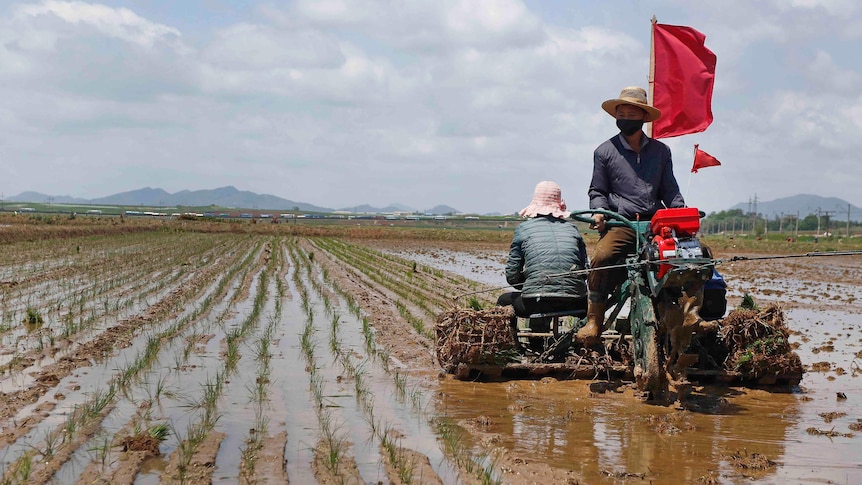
727, 434
527, 431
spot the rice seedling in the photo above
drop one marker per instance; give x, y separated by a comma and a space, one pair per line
400, 384
335, 443
179, 361
453, 440
33, 317
159, 431
19, 472
49, 445
102, 450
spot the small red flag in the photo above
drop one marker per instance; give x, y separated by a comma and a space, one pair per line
703, 160
684, 74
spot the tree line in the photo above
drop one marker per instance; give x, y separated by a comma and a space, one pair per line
736, 221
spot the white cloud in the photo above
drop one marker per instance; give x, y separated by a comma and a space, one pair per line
824, 73
438, 26
120, 23
464, 103
833, 7
261, 47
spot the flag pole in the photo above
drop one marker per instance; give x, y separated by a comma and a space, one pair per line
688, 186
651, 79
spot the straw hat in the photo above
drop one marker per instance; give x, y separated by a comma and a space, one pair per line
546, 201
634, 96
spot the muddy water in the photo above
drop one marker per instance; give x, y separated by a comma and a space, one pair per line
606, 435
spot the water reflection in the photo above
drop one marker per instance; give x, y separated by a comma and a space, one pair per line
607, 437
596, 434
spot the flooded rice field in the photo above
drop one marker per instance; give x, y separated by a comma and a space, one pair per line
811, 433
178, 357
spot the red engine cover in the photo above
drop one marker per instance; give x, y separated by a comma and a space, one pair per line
666, 246
685, 221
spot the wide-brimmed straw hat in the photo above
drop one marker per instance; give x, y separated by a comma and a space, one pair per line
634, 96
546, 201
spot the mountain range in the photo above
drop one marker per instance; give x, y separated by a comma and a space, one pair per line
222, 197
803, 204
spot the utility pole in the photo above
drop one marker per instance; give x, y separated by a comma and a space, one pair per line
826, 215
848, 220
754, 216
818, 221
796, 233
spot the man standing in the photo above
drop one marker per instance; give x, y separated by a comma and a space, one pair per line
633, 176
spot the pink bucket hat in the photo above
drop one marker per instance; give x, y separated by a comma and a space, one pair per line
546, 201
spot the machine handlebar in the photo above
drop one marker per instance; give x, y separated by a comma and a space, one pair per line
613, 219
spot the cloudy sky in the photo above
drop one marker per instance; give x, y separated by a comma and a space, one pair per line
467, 103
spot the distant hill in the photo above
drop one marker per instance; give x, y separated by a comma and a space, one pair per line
804, 204
37, 197
378, 210
441, 210
145, 196
222, 197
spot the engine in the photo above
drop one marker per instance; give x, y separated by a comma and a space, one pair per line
674, 236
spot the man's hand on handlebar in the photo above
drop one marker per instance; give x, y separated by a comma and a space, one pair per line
598, 222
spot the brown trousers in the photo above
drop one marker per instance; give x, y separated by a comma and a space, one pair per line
613, 247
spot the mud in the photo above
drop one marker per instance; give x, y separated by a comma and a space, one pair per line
529, 430
605, 436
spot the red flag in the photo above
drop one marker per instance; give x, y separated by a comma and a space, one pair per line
684, 72
703, 160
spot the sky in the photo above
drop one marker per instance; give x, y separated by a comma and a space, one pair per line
467, 103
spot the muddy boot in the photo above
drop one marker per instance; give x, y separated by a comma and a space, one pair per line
590, 333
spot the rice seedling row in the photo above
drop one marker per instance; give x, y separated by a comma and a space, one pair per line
184, 365
144, 360
476, 464
401, 291
39, 393
428, 288
89, 287
68, 339
129, 376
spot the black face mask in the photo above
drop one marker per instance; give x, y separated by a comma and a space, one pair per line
630, 127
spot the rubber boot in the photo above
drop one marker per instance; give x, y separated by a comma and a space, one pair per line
590, 333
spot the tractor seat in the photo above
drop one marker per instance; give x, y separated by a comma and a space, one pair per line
546, 323
560, 307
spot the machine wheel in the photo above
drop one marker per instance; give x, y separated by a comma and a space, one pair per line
649, 363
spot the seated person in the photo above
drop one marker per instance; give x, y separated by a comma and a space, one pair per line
544, 249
